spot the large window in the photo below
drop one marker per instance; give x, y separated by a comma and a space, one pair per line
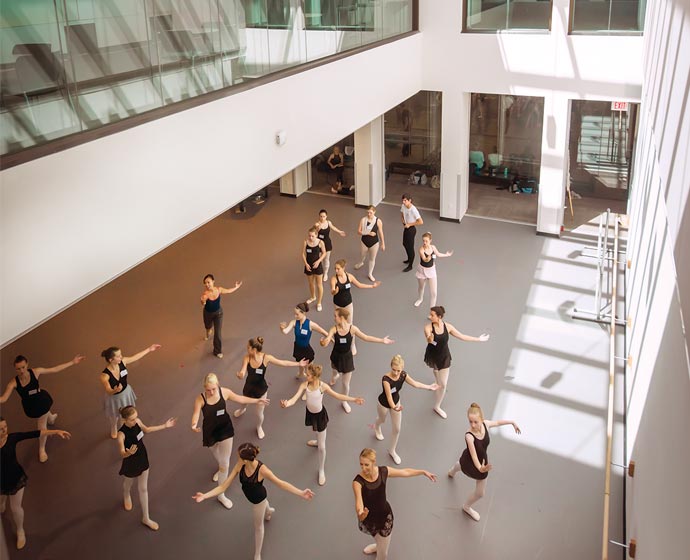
496, 15
597, 16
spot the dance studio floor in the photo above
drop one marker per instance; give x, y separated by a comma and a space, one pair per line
547, 372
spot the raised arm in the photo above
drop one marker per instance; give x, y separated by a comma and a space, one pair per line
140, 355
305, 494
218, 490
335, 229
353, 279
340, 396
496, 423
8, 391
368, 338
457, 334
230, 395
285, 328
418, 385
169, 423
291, 401
407, 473
55, 369
238, 284
198, 403
439, 254
269, 359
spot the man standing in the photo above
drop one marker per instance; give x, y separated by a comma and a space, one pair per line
410, 218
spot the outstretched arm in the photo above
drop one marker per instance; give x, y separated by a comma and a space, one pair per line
457, 334
335, 229
305, 494
169, 423
284, 363
367, 338
418, 385
218, 490
138, 356
496, 423
353, 280
439, 254
328, 338
55, 369
407, 473
288, 403
229, 395
238, 284
319, 329
8, 391
340, 396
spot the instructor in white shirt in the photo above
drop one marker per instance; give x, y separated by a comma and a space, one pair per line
411, 219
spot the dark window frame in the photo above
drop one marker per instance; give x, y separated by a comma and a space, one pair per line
537, 31
597, 32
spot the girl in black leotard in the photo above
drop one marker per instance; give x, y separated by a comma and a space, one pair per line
135, 460
389, 400
337, 163
325, 226
36, 402
254, 367
313, 254
12, 476
302, 328
252, 473
218, 430
342, 362
341, 284
374, 513
371, 230
437, 355
474, 461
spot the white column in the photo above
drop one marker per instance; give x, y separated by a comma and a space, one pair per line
296, 181
370, 184
554, 162
455, 132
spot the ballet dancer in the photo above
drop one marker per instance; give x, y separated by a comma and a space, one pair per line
135, 460
374, 513
474, 461
316, 415
313, 254
389, 400
437, 355
254, 366
218, 430
12, 476
303, 328
115, 379
411, 218
340, 290
325, 226
342, 362
371, 230
252, 473
213, 312
36, 402
426, 269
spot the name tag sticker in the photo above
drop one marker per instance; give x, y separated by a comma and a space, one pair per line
394, 390
433, 342
348, 286
321, 236
220, 412
308, 250
343, 341
433, 256
140, 436
33, 391
259, 371
304, 331
123, 373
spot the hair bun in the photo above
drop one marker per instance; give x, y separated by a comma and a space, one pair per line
260, 339
474, 405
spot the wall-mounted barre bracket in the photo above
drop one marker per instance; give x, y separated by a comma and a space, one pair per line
632, 547
630, 467
628, 360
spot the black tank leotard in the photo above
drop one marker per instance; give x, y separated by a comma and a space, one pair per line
313, 254
255, 386
343, 298
369, 240
480, 445
395, 389
437, 355
35, 401
325, 236
341, 355
112, 381
251, 486
217, 424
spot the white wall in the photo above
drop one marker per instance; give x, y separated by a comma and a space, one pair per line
553, 65
72, 221
658, 293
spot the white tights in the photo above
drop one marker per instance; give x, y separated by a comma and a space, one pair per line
421, 282
221, 453
321, 444
347, 377
396, 420
259, 512
369, 253
382, 544
326, 262
441, 376
15, 507
142, 487
259, 413
478, 493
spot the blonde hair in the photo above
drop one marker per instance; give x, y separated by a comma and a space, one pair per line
341, 263
314, 370
127, 411
313, 229
343, 313
368, 453
398, 360
372, 208
476, 409
211, 378
427, 235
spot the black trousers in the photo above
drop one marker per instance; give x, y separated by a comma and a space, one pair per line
215, 320
408, 242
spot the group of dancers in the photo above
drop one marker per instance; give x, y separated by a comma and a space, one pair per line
373, 512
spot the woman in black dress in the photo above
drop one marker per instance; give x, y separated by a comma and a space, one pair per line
254, 367
252, 473
313, 254
342, 362
218, 430
325, 226
12, 476
371, 230
303, 328
437, 355
374, 513
474, 461
36, 402
135, 461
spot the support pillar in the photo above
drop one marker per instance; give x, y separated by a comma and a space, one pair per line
296, 181
455, 155
370, 183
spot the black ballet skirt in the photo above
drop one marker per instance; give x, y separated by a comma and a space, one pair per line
12, 475
379, 521
35, 401
341, 355
437, 354
302, 352
136, 464
466, 463
318, 421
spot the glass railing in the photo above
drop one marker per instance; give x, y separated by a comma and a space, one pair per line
68, 66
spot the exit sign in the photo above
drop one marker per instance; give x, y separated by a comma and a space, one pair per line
619, 105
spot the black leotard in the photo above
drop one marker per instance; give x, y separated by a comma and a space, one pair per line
480, 445
136, 464
341, 355
379, 521
369, 240
395, 389
35, 401
343, 298
113, 381
251, 486
325, 236
437, 355
217, 424
12, 475
312, 254
255, 386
